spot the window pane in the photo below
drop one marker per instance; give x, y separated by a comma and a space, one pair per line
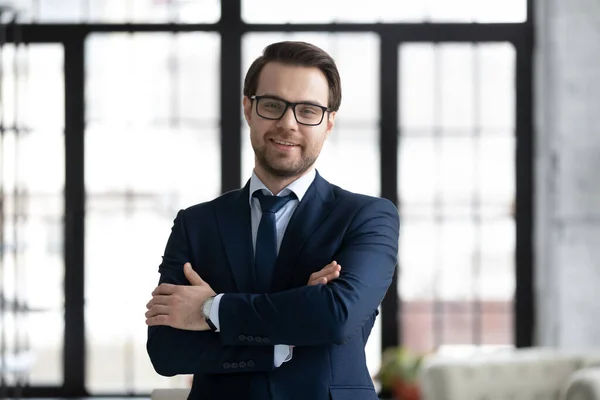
455, 275
418, 170
315, 11
338, 161
457, 87
32, 86
165, 76
32, 213
497, 270
356, 134
456, 190
438, 86
32, 264
454, 67
496, 176
417, 96
456, 170
417, 325
110, 11
498, 323
496, 86
419, 250
458, 323
143, 164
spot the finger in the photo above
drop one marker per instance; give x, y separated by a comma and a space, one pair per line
328, 269
157, 310
164, 288
325, 279
317, 281
334, 266
191, 275
159, 320
332, 276
159, 299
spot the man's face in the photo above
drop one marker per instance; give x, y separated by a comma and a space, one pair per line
293, 84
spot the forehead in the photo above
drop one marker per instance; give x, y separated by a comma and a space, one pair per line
293, 82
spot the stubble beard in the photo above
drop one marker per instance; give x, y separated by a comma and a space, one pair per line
283, 168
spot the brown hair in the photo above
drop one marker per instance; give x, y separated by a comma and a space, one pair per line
302, 54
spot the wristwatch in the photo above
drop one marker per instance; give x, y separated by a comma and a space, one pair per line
206, 306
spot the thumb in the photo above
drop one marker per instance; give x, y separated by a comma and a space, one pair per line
191, 275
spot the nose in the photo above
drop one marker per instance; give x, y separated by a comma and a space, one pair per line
287, 120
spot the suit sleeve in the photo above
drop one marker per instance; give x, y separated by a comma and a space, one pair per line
174, 351
324, 314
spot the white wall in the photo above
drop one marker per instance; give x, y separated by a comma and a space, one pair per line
568, 173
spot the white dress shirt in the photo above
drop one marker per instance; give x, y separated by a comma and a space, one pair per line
299, 187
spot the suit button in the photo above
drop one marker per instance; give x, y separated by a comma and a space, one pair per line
258, 339
234, 365
226, 365
242, 364
242, 338
266, 340
250, 363
250, 338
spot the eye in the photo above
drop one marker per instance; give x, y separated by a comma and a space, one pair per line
274, 105
309, 110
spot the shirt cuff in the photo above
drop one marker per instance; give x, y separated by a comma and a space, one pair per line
283, 353
214, 311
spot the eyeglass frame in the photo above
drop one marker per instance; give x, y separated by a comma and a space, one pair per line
289, 104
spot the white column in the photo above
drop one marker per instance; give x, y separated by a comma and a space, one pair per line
567, 98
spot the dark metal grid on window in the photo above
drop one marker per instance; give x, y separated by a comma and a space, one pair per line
13, 309
231, 28
458, 215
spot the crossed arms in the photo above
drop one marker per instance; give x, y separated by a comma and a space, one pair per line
304, 316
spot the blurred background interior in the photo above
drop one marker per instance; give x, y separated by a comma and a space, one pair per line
479, 119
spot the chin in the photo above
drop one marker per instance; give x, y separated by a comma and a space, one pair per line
284, 167
284, 172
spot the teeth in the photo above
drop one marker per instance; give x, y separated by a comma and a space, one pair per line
284, 143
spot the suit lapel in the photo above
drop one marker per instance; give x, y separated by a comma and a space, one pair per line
236, 235
314, 207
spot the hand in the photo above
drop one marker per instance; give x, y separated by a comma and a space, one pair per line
179, 306
327, 274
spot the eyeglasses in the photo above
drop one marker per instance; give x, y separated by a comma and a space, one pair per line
274, 108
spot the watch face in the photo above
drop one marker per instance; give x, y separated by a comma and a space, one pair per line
206, 308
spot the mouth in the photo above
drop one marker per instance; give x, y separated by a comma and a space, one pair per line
284, 143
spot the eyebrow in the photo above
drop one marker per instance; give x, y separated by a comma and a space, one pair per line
301, 101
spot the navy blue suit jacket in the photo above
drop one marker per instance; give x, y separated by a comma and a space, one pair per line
328, 324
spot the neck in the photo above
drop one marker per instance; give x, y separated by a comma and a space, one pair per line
276, 183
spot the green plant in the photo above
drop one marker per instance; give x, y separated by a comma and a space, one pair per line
399, 373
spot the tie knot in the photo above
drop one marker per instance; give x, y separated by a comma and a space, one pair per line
272, 204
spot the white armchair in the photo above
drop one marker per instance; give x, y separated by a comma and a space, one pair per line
530, 374
584, 385
170, 394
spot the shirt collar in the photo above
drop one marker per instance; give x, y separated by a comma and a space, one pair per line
299, 187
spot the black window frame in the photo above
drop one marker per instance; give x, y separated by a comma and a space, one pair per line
231, 29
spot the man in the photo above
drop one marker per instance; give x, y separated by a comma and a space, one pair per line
270, 301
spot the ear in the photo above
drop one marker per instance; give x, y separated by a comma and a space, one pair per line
330, 122
247, 109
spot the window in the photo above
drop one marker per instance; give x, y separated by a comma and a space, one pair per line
122, 11
152, 148
317, 11
31, 217
457, 192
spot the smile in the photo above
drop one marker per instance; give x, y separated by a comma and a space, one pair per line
283, 142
